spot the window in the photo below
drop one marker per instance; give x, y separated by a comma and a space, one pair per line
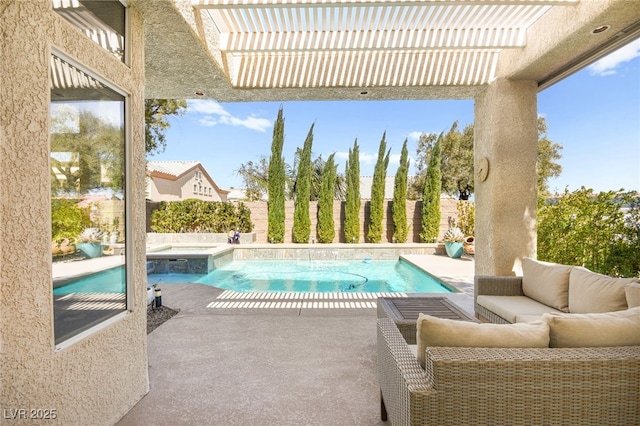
88, 221
103, 21
195, 188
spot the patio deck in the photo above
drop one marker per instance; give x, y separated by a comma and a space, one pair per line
218, 366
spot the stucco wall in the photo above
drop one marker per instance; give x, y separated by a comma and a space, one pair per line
97, 379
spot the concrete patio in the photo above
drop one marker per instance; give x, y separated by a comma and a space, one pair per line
270, 366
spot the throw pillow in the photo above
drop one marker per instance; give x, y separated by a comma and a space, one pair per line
434, 331
547, 283
590, 292
620, 328
632, 292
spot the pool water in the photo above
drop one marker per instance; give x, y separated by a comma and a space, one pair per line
108, 281
316, 276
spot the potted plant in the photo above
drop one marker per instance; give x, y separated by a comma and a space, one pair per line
453, 242
90, 242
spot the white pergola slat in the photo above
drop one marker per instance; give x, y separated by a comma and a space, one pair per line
359, 43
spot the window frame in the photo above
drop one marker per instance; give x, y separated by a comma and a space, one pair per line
128, 208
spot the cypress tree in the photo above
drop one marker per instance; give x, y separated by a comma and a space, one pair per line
376, 211
301, 220
352, 205
399, 206
276, 177
431, 196
326, 227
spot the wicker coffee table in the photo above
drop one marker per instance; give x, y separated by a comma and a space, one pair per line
404, 312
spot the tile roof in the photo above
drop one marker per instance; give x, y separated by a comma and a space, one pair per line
173, 168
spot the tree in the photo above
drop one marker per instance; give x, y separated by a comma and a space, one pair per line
276, 176
256, 181
301, 220
325, 228
399, 206
548, 154
256, 178
599, 231
156, 113
457, 161
376, 210
352, 204
82, 153
423, 150
431, 196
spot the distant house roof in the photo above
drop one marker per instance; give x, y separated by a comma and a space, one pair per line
172, 170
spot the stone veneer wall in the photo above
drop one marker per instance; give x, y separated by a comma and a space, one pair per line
97, 379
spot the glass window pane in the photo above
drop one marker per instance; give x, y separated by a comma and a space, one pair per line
103, 21
88, 220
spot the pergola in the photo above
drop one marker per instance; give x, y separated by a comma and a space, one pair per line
498, 52
250, 50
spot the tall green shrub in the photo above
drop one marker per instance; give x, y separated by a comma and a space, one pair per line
194, 215
431, 197
301, 220
277, 177
399, 206
599, 231
325, 227
352, 204
466, 217
376, 211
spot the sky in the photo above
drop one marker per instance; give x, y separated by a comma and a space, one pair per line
594, 114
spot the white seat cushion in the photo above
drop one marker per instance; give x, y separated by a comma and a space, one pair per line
433, 331
528, 318
632, 292
621, 328
590, 292
508, 307
547, 283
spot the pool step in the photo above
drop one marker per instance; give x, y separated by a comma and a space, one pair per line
273, 300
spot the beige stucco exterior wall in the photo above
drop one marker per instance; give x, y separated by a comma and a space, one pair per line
99, 378
506, 135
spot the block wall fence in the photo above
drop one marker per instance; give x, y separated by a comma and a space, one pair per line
259, 217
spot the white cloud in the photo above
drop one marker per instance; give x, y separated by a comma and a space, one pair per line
342, 155
212, 114
608, 64
368, 158
394, 159
414, 135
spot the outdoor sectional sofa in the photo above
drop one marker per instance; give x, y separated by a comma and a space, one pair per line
562, 369
551, 288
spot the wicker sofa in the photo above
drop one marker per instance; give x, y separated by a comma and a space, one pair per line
562, 347
551, 288
501, 386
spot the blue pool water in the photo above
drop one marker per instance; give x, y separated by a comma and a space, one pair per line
108, 281
314, 276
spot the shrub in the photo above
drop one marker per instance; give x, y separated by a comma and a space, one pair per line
67, 219
599, 231
193, 215
466, 217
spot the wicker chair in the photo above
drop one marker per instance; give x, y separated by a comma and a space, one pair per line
481, 386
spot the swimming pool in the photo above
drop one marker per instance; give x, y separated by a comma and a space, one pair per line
327, 276
107, 281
